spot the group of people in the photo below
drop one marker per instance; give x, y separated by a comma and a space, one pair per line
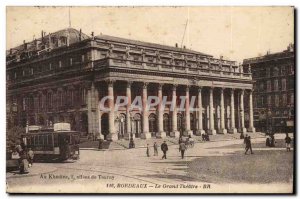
24, 156
164, 148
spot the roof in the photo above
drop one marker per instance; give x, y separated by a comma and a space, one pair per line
74, 36
148, 44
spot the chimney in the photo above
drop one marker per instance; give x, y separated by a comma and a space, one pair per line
176, 45
80, 34
10, 51
42, 35
92, 35
49, 37
184, 47
25, 45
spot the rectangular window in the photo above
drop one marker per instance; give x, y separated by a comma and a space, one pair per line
269, 100
276, 85
71, 61
82, 58
284, 99
283, 84
276, 100
292, 98
268, 72
59, 64
269, 86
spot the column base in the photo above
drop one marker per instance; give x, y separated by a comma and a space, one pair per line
212, 132
175, 134
145, 135
222, 131
200, 132
232, 131
101, 136
243, 130
127, 136
188, 133
251, 130
112, 137
161, 134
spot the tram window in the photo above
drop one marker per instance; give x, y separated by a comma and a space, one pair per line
35, 140
40, 140
45, 140
55, 140
50, 139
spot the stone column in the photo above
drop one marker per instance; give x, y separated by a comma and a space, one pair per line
200, 130
232, 129
175, 132
145, 134
222, 130
160, 133
251, 126
211, 130
187, 131
111, 115
128, 118
243, 129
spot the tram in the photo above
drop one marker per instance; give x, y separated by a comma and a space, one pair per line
58, 143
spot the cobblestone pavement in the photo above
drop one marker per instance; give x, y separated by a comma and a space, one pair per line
119, 170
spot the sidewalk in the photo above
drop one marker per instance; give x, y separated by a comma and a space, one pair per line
36, 169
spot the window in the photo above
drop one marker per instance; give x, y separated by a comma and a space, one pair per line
269, 100
261, 86
82, 58
269, 86
71, 61
82, 96
268, 72
49, 100
276, 85
292, 69
283, 84
31, 71
262, 101
284, 99
275, 71
283, 70
292, 98
50, 66
276, 100
59, 64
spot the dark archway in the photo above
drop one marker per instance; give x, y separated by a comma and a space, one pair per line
137, 125
104, 125
72, 122
152, 124
180, 125
41, 121
166, 123
84, 123
122, 126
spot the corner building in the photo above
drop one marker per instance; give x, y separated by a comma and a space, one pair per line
62, 77
274, 90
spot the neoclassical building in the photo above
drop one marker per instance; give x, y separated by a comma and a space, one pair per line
63, 76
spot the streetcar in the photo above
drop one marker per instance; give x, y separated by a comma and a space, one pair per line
50, 144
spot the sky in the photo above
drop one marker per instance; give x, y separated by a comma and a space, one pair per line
235, 33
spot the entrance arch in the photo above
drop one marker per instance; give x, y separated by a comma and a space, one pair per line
166, 123
104, 125
180, 125
137, 125
122, 126
152, 124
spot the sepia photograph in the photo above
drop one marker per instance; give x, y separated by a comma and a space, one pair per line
150, 100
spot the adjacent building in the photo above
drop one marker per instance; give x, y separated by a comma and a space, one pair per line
274, 90
63, 76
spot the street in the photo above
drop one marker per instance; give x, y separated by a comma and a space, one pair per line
208, 167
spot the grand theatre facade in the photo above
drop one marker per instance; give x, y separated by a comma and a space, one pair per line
63, 76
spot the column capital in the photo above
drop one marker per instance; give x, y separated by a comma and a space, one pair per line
242, 91
174, 87
110, 82
187, 88
129, 83
232, 90
160, 85
200, 89
145, 84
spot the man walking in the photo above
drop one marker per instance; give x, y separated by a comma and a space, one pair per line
155, 147
182, 148
164, 148
247, 141
288, 142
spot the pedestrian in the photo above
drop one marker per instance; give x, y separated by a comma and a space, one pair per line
155, 147
288, 142
182, 148
272, 144
131, 143
148, 151
180, 140
100, 143
30, 157
247, 141
164, 148
24, 162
